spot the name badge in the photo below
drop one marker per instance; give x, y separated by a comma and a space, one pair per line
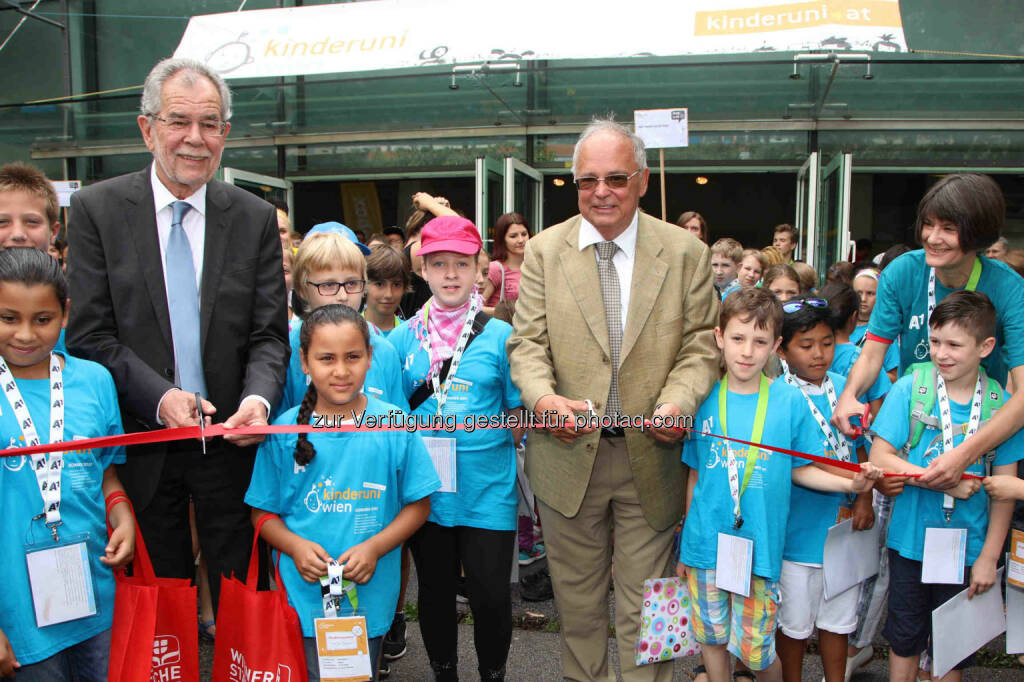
945, 555
343, 649
1015, 563
734, 563
61, 581
442, 454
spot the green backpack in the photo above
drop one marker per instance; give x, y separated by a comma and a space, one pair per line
922, 400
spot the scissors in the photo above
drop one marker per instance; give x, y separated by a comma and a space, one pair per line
859, 431
202, 420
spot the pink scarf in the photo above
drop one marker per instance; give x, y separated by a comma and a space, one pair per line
443, 325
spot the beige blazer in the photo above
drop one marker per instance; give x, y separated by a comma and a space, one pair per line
560, 345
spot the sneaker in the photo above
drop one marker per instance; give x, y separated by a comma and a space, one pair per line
535, 554
394, 641
384, 671
536, 587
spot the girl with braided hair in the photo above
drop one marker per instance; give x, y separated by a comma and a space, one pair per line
346, 497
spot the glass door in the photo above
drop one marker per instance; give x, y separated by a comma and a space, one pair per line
807, 180
264, 186
832, 237
490, 186
524, 193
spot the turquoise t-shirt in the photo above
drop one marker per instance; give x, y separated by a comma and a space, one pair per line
765, 504
916, 508
842, 361
352, 489
485, 459
383, 379
891, 362
812, 513
902, 308
91, 411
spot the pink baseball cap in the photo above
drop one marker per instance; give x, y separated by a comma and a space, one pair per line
450, 233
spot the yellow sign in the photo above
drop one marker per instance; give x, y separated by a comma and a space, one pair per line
361, 206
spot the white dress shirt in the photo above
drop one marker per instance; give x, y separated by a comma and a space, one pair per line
622, 260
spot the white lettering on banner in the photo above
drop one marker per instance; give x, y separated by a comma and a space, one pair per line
394, 34
239, 671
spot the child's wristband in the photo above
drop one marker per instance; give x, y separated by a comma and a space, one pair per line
114, 498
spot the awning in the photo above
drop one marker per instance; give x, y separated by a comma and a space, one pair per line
396, 34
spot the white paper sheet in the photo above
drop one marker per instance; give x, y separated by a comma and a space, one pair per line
442, 454
851, 557
945, 550
961, 627
61, 583
734, 563
1014, 620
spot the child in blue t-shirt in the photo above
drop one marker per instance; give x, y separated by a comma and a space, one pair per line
962, 334
353, 498
808, 341
330, 268
51, 397
726, 622
865, 285
458, 370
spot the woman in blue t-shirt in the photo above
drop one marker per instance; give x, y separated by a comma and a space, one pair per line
346, 498
958, 217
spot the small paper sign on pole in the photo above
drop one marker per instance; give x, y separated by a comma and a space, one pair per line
661, 128
64, 189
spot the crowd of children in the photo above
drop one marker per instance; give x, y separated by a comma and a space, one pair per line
883, 371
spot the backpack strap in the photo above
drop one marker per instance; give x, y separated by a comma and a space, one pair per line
426, 389
922, 400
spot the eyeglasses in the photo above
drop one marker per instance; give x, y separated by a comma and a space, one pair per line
793, 306
353, 286
211, 127
615, 181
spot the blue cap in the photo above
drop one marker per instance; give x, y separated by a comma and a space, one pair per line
344, 231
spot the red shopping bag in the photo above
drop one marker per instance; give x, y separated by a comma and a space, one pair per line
258, 633
154, 636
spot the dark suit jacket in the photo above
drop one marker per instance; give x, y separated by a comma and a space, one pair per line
119, 314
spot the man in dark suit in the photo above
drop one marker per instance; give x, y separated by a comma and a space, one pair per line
178, 289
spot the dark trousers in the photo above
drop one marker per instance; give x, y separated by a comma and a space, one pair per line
486, 558
216, 482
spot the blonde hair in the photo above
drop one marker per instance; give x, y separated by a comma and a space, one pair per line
756, 254
728, 247
322, 250
772, 256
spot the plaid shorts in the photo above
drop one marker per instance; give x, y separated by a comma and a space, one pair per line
746, 624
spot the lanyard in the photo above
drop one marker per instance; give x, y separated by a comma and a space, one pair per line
972, 284
840, 447
47, 467
335, 590
441, 393
946, 419
760, 416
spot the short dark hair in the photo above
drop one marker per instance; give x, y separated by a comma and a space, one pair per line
892, 253
498, 249
33, 267
843, 301
971, 310
394, 229
794, 234
386, 262
752, 303
806, 318
971, 201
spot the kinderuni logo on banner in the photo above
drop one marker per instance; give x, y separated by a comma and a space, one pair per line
241, 672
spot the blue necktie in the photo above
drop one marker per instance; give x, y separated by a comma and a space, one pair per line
183, 301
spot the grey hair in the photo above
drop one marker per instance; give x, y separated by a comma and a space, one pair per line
610, 125
152, 91
1002, 240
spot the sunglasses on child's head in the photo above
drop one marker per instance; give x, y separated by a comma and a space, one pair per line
793, 306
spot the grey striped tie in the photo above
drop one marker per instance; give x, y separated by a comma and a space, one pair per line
613, 313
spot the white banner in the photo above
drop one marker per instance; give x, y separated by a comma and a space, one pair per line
394, 34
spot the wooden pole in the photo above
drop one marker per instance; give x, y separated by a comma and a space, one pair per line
661, 159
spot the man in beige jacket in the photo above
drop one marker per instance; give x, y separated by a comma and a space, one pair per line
616, 308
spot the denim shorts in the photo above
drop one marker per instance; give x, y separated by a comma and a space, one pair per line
86, 661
